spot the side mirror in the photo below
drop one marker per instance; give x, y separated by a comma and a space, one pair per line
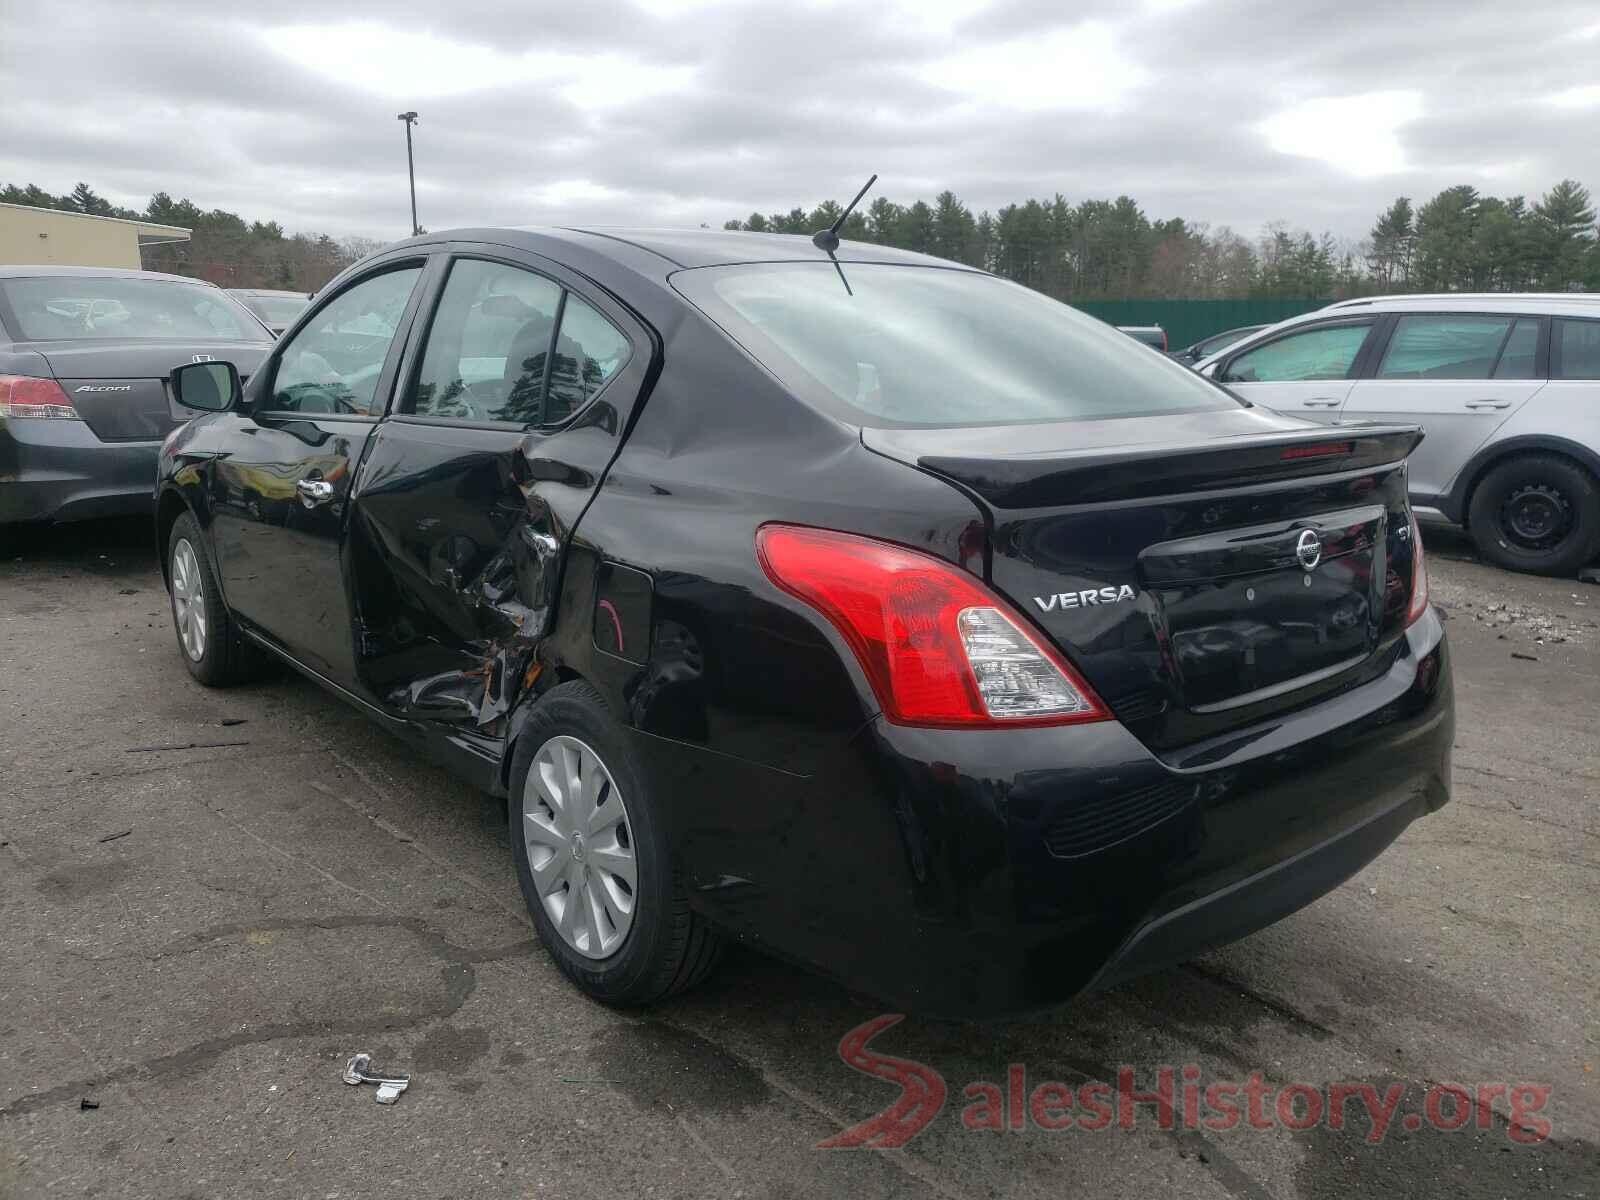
207, 386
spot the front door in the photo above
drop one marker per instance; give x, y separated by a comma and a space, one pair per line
280, 492
1458, 375
511, 408
1307, 372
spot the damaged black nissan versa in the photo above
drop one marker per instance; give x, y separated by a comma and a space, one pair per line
857, 606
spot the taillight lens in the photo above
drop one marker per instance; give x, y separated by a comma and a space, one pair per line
1419, 576
938, 648
26, 396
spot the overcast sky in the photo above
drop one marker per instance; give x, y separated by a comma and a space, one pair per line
1317, 112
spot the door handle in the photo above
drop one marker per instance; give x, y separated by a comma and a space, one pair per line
314, 491
1320, 402
1475, 404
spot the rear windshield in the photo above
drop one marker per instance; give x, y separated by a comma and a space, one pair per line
62, 308
276, 310
925, 346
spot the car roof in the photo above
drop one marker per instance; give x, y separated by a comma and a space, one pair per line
1577, 303
26, 272
679, 248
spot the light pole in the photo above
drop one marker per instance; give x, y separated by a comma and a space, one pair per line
410, 118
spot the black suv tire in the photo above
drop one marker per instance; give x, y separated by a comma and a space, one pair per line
1538, 513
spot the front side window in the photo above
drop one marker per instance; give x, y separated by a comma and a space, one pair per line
1575, 349
1313, 355
332, 365
927, 346
68, 308
1454, 346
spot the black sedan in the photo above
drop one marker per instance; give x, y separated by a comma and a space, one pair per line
871, 610
84, 355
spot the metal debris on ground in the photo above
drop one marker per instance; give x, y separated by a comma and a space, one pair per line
233, 720
1525, 657
111, 837
182, 746
86, 1105
390, 1083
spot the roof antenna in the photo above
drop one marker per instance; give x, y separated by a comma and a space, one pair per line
827, 240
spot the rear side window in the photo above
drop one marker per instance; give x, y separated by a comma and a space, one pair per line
884, 345
1575, 352
1459, 346
1327, 352
488, 354
487, 349
1518, 359
589, 352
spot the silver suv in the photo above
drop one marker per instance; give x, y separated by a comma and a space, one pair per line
1507, 386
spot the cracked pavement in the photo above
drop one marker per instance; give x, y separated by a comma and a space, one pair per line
197, 939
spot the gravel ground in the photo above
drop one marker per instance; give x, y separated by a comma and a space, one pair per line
211, 899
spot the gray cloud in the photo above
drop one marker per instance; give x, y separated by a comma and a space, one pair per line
775, 105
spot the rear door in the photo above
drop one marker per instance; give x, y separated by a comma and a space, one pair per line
1306, 372
514, 400
1458, 375
280, 490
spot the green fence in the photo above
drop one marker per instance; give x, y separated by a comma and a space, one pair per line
1187, 321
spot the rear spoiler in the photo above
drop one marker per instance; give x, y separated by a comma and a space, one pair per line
1099, 475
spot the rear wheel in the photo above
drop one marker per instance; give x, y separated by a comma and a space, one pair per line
593, 861
211, 645
1537, 513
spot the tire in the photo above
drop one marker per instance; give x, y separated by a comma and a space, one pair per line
219, 655
1538, 513
650, 945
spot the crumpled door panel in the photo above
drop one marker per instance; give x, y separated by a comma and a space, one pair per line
456, 549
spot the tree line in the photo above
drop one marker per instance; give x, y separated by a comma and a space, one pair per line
223, 248
1460, 240
1109, 249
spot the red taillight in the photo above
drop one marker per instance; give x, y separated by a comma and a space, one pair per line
1419, 576
938, 648
26, 396
1320, 450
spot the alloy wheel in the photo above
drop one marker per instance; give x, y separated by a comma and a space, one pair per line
580, 847
188, 600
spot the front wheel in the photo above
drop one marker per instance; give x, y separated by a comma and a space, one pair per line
212, 648
593, 860
1538, 513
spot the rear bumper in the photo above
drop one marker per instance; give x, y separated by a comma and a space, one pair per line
59, 471
976, 874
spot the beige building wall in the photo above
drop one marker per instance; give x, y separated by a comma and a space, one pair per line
43, 237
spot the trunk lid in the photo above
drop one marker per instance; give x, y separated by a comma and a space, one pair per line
1201, 571
118, 386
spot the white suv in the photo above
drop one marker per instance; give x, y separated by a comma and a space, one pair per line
1507, 387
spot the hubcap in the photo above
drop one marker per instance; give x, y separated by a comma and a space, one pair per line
1536, 516
580, 847
188, 600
